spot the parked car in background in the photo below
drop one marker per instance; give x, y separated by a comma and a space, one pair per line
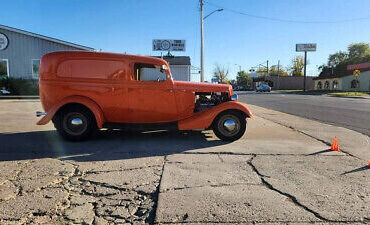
85, 91
263, 88
240, 88
4, 92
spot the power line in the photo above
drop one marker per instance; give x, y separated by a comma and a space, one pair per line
285, 20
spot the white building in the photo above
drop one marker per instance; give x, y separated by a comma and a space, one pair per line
180, 67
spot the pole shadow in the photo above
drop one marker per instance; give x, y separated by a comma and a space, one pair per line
356, 170
320, 152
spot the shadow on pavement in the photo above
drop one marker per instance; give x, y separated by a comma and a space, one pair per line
106, 145
357, 170
321, 152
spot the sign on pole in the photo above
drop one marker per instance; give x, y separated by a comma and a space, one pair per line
305, 47
310, 47
356, 73
168, 45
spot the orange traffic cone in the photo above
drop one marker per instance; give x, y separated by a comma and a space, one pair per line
368, 164
335, 145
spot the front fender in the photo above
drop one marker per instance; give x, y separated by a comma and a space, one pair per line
90, 104
204, 119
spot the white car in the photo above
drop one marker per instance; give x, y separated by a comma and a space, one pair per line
263, 88
4, 92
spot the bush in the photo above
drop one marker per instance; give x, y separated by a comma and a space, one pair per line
19, 86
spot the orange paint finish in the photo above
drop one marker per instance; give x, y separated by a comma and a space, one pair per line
205, 118
90, 104
106, 83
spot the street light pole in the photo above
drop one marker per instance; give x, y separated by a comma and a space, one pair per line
202, 39
201, 43
304, 72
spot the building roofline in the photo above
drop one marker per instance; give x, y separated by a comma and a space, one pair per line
365, 66
45, 37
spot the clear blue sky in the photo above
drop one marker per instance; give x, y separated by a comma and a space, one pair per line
230, 38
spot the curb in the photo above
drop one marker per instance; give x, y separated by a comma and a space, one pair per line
7, 97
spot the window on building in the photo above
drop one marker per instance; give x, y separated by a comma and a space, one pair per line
319, 85
335, 84
355, 84
326, 85
149, 72
4, 68
35, 68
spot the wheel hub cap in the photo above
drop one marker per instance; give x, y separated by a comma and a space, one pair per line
229, 125
76, 122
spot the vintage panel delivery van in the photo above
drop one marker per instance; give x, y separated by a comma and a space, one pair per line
85, 91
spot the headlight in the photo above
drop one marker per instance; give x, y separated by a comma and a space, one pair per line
234, 97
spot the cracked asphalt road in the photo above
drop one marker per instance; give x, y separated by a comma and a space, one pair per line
276, 174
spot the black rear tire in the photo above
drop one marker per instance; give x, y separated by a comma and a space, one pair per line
75, 123
229, 125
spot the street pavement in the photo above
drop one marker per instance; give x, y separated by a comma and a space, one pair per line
352, 113
280, 172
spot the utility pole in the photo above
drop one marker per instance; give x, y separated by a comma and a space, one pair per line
201, 43
278, 71
267, 67
304, 71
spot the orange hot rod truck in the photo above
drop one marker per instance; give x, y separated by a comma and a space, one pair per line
85, 91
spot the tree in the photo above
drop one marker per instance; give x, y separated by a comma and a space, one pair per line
337, 58
358, 50
273, 71
296, 68
244, 79
338, 62
261, 71
233, 82
221, 73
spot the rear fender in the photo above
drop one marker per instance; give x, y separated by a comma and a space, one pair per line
90, 104
204, 119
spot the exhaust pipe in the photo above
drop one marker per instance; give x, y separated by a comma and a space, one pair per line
38, 114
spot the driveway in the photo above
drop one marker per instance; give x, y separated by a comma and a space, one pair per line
273, 175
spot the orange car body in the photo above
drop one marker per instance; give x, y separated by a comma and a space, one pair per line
105, 83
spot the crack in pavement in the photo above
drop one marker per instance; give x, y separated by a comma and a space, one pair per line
88, 202
155, 206
252, 154
210, 185
274, 222
120, 170
291, 197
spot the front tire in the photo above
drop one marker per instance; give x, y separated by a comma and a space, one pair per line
229, 125
75, 123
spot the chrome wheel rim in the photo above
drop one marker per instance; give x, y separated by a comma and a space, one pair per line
75, 123
229, 125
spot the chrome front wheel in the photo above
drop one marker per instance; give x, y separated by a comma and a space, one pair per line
229, 125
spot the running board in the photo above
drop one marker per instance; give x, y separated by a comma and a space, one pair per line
142, 126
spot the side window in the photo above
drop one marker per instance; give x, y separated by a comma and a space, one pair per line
35, 68
149, 72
